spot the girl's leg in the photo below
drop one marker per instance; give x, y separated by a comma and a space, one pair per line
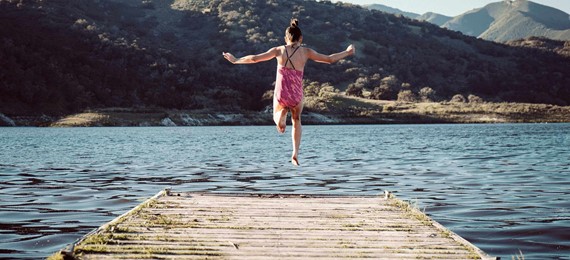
279, 116
297, 132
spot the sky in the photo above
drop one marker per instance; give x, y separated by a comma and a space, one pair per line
450, 7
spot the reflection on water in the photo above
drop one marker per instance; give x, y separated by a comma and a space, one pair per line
503, 187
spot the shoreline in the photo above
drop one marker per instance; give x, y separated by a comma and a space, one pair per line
381, 113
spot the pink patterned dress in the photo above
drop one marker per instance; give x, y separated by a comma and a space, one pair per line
289, 84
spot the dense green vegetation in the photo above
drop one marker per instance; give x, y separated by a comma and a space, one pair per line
61, 57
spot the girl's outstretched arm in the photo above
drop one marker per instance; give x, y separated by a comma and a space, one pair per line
313, 55
270, 54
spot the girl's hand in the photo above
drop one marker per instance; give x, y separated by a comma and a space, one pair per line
351, 50
228, 56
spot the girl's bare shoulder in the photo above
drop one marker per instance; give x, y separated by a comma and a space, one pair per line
307, 49
280, 49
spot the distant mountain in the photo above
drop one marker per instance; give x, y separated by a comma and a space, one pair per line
437, 19
391, 10
513, 19
65, 56
430, 17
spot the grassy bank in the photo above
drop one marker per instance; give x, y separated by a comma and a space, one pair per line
336, 108
450, 112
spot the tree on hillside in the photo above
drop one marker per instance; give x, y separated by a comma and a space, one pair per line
474, 99
354, 90
458, 98
427, 94
407, 96
388, 89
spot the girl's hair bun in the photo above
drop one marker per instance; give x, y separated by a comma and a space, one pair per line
293, 32
294, 22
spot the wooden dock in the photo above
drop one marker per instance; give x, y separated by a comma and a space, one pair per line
248, 226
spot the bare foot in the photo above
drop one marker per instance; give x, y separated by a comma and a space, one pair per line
294, 161
281, 128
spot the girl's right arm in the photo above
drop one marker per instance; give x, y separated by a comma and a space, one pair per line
270, 54
313, 55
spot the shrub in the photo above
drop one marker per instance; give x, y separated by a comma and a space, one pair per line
363, 82
326, 91
354, 90
383, 92
474, 99
427, 94
312, 89
321, 96
407, 96
376, 77
391, 81
315, 104
458, 99
388, 89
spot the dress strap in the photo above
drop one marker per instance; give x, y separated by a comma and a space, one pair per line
289, 57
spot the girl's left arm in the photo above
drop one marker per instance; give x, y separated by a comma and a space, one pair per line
270, 54
329, 59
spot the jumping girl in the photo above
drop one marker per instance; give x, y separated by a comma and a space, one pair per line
288, 94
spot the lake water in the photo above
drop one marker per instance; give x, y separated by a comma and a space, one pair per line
503, 187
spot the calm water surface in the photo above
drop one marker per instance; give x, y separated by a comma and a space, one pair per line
503, 187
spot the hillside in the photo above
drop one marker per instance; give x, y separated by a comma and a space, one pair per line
437, 19
511, 20
543, 44
67, 56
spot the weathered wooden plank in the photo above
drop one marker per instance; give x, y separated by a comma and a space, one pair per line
242, 226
